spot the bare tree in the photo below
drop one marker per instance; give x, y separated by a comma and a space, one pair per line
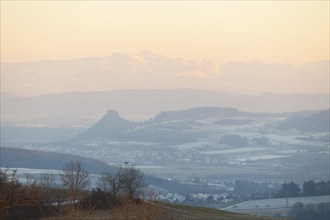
47, 180
127, 180
47, 184
102, 182
75, 179
109, 182
131, 180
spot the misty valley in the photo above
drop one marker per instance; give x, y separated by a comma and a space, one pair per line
164, 110
193, 156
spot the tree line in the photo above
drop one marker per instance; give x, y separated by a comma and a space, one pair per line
309, 188
45, 196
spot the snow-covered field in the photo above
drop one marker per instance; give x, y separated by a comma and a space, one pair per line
270, 207
268, 154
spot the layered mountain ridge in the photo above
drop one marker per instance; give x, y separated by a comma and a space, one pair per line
84, 108
183, 125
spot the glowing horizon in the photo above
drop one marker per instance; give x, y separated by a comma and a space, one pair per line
283, 32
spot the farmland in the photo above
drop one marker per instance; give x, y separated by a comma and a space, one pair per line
270, 207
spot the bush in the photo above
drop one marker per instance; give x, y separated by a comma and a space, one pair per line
18, 201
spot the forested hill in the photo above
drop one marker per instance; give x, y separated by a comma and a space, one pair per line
199, 113
22, 158
169, 126
176, 127
82, 108
318, 122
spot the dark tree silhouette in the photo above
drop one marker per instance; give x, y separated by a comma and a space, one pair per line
131, 180
75, 179
290, 190
109, 182
309, 188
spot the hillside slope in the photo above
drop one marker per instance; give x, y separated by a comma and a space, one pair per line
22, 158
318, 122
83, 108
159, 211
201, 213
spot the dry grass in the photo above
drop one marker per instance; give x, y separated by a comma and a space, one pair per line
152, 211
203, 213
127, 211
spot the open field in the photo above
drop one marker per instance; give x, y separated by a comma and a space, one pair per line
269, 207
202, 213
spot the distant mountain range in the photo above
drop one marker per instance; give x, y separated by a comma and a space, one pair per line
147, 70
175, 127
113, 127
165, 127
85, 108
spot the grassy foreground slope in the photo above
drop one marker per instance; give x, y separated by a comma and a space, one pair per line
159, 211
202, 213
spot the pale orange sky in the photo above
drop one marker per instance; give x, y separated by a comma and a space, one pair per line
286, 32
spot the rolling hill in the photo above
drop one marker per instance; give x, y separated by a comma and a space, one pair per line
318, 122
23, 158
85, 108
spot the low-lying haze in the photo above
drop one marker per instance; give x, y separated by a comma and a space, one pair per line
147, 70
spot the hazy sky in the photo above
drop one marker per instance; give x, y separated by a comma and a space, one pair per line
294, 32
